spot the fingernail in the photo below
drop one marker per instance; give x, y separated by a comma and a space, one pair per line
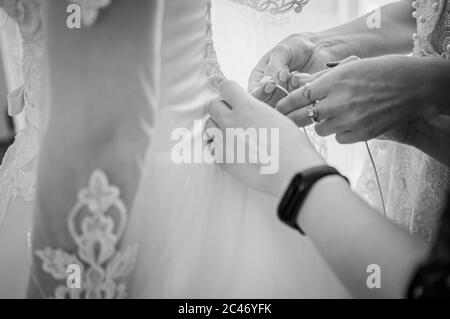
295, 81
265, 79
270, 87
283, 75
332, 64
280, 104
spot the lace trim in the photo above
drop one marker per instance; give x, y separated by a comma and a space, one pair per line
96, 224
215, 75
274, 6
24, 12
90, 10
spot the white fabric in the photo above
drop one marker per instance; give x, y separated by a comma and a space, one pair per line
18, 169
415, 184
201, 232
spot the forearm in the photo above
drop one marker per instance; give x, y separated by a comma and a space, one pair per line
431, 132
432, 136
356, 38
351, 236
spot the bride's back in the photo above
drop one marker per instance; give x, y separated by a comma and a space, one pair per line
184, 88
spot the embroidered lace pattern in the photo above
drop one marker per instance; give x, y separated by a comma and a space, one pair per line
96, 224
18, 169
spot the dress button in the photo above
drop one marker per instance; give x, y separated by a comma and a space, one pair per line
447, 48
414, 4
414, 14
415, 36
422, 19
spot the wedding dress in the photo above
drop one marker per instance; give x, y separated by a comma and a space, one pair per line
201, 232
415, 185
193, 230
18, 169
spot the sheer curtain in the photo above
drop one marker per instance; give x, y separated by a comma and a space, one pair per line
242, 36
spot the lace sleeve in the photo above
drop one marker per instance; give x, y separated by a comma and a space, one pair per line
273, 6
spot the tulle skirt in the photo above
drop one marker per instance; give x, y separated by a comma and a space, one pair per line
204, 234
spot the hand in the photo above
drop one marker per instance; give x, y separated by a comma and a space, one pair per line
297, 53
361, 100
295, 153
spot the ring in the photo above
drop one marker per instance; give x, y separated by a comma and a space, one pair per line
313, 113
307, 92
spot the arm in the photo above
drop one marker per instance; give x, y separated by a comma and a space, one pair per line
363, 237
102, 84
356, 38
346, 231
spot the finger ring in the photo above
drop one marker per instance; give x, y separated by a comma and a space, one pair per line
313, 113
307, 91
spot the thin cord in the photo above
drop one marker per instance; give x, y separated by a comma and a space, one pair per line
377, 178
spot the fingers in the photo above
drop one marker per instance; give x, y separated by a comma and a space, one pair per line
280, 57
265, 91
274, 89
300, 117
233, 94
301, 98
219, 112
299, 80
347, 138
210, 126
325, 110
331, 126
257, 75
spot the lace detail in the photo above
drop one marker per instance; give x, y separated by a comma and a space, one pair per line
90, 10
18, 169
215, 75
415, 184
274, 6
96, 224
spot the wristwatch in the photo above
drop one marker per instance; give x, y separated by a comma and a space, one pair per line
298, 190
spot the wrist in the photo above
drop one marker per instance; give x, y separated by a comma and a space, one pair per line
295, 166
437, 94
309, 216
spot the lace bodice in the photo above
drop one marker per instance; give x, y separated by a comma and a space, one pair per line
17, 173
414, 184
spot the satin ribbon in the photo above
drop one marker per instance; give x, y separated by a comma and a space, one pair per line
18, 103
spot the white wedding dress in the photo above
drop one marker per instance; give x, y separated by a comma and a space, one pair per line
201, 233
18, 169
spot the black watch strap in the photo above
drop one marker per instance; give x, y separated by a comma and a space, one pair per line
298, 190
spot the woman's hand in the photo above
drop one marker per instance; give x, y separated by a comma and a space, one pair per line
297, 53
291, 150
363, 99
